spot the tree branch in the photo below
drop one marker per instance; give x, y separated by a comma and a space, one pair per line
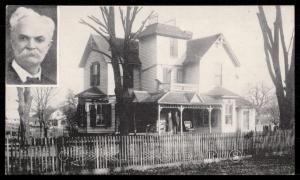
122, 19
100, 33
101, 52
104, 16
134, 35
285, 52
266, 49
102, 27
275, 51
264, 21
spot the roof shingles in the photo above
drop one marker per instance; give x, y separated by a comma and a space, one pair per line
165, 30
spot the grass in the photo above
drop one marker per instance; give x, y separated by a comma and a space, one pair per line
270, 165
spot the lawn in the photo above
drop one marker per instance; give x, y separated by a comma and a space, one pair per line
270, 165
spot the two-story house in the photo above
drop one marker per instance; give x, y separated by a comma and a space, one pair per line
180, 84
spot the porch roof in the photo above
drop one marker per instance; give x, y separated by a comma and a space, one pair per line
175, 98
91, 92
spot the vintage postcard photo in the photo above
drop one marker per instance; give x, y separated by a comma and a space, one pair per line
31, 37
151, 90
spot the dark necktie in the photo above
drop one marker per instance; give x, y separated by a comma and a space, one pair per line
32, 80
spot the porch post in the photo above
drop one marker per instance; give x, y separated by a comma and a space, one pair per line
158, 121
181, 127
209, 118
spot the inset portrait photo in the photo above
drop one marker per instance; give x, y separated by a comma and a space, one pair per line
31, 49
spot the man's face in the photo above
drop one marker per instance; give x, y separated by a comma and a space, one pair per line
31, 40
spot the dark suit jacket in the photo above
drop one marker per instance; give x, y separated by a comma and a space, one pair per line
13, 78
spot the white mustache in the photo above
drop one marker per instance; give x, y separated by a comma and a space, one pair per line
30, 53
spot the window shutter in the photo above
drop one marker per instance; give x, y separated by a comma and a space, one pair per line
91, 76
98, 74
93, 116
84, 117
107, 116
79, 115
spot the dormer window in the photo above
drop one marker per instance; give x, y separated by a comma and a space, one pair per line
174, 48
95, 74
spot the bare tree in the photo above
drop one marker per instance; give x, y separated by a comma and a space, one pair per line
42, 97
105, 27
69, 109
260, 96
24, 100
284, 87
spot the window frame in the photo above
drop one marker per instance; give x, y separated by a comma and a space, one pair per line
174, 47
95, 74
99, 116
229, 113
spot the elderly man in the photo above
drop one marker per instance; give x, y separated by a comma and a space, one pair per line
31, 37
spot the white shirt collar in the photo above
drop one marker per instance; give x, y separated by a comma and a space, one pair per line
23, 74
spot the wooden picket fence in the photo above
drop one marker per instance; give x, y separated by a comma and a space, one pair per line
74, 154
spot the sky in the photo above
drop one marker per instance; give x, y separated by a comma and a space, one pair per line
238, 24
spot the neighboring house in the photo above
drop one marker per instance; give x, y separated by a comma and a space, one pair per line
58, 123
179, 84
11, 126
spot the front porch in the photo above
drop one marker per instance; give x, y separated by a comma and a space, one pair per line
188, 118
187, 113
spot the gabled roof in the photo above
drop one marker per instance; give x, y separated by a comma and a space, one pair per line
179, 97
165, 30
221, 92
146, 97
197, 48
91, 92
171, 97
98, 43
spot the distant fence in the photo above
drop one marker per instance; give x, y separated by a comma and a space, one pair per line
73, 154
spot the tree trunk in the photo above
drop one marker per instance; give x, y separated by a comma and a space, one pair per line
286, 112
25, 99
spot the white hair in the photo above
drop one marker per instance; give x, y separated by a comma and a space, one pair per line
23, 12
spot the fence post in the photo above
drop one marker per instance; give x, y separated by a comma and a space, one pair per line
7, 152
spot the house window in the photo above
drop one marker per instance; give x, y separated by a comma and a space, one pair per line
62, 122
100, 115
166, 75
173, 47
55, 122
228, 114
95, 74
246, 119
218, 74
179, 76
